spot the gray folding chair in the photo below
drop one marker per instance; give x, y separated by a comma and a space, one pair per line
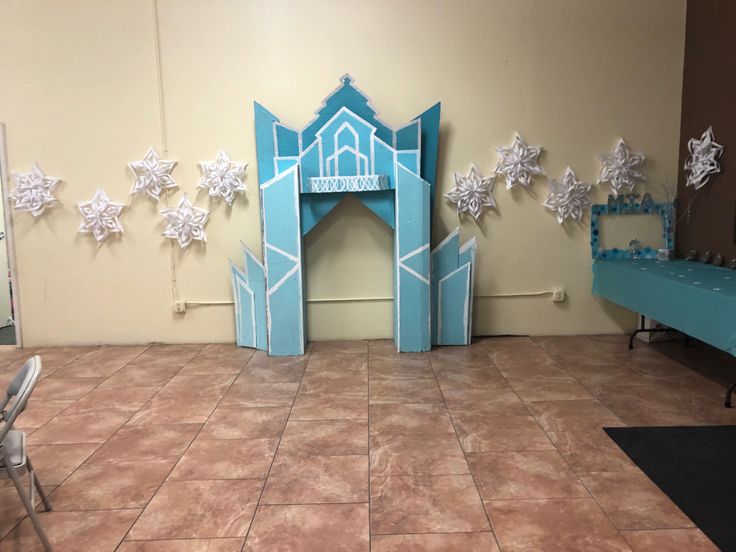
14, 461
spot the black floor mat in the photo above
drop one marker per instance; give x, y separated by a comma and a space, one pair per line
695, 467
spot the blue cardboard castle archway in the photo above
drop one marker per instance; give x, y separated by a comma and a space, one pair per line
303, 175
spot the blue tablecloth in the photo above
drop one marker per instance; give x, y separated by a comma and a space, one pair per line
695, 298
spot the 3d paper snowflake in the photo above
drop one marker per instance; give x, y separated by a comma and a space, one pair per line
622, 169
568, 197
519, 163
472, 193
152, 175
185, 223
100, 216
222, 177
703, 159
34, 191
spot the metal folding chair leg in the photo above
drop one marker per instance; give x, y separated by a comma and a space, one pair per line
37, 484
29, 508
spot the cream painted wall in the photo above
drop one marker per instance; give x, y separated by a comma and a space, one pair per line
80, 96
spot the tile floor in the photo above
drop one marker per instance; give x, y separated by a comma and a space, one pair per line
497, 446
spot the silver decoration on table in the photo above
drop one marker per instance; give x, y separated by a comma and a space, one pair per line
185, 223
100, 216
222, 177
568, 197
34, 191
519, 163
622, 169
473, 193
152, 175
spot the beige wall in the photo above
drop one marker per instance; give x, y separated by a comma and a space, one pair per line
79, 95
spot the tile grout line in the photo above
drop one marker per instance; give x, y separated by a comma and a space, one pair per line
457, 437
275, 452
165, 479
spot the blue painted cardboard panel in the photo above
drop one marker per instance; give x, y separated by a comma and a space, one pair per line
283, 261
467, 255
256, 277
444, 260
287, 140
453, 312
409, 136
412, 245
265, 148
245, 324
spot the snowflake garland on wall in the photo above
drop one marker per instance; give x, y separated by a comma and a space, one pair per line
622, 168
34, 191
185, 223
473, 193
703, 159
519, 163
568, 197
222, 177
152, 175
100, 216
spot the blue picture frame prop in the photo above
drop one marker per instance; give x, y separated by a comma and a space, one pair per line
626, 204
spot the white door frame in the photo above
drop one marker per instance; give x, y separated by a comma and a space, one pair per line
10, 235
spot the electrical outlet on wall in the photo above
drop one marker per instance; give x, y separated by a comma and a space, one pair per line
558, 295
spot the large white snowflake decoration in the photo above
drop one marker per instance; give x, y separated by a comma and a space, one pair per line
622, 169
472, 193
519, 163
222, 177
100, 216
703, 159
34, 191
152, 175
185, 223
568, 197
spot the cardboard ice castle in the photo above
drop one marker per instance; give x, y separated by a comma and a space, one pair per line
303, 175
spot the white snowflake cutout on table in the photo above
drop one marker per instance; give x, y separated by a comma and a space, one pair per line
222, 177
34, 191
472, 193
519, 163
568, 197
185, 223
152, 175
703, 159
621, 168
100, 216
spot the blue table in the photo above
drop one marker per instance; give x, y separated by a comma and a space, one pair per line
695, 298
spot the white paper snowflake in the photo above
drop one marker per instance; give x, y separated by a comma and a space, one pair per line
152, 175
519, 163
472, 193
34, 191
703, 159
222, 177
185, 223
100, 216
622, 169
568, 197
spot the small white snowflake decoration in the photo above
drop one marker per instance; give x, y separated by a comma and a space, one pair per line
34, 191
568, 197
100, 216
222, 177
152, 175
622, 169
185, 223
473, 193
519, 163
703, 159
